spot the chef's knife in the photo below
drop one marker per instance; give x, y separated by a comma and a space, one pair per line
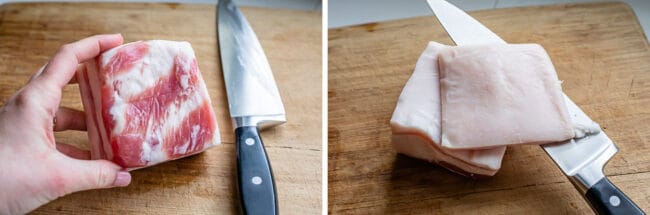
582, 160
254, 102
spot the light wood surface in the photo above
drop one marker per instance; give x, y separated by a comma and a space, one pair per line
600, 52
205, 183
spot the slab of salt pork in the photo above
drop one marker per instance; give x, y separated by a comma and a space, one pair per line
416, 123
497, 95
147, 103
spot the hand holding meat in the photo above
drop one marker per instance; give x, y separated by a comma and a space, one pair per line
34, 168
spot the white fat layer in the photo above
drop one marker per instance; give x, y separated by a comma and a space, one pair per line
152, 154
582, 124
186, 49
416, 146
118, 111
194, 134
216, 139
184, 81
583, 130
182, 148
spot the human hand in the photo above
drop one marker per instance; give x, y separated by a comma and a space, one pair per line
34, 168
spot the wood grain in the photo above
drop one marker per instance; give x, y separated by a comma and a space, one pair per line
600, 52
202, 184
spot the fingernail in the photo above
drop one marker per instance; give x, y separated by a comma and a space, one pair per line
122, 179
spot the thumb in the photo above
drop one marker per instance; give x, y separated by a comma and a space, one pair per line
95, 174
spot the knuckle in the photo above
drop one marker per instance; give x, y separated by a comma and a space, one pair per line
24, 98
104, 176
67, 48
68, 51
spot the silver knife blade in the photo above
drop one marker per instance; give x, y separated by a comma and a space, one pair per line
462, 28
580, 159
253, 96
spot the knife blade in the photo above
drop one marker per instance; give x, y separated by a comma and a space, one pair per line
581, 160
254, 103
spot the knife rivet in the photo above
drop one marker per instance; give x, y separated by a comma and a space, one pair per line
614, 201
249, 141
256, 180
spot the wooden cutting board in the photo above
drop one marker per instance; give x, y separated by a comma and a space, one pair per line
598, 50
205, 183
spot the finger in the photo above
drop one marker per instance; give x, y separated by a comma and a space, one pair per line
73, 152
94, 174
63, 65
38, 72
73, 80
80, 68
69, 119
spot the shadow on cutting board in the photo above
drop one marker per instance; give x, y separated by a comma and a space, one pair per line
168, 175
412, 177
417, 187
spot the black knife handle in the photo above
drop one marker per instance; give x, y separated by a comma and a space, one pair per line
255, 178
606, 198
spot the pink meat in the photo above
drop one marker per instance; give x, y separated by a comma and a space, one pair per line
146, 103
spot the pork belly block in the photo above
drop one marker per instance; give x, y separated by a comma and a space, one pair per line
496, 95
416, 121
147, 103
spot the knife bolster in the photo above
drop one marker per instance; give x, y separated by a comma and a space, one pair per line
260, 121
587, 176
